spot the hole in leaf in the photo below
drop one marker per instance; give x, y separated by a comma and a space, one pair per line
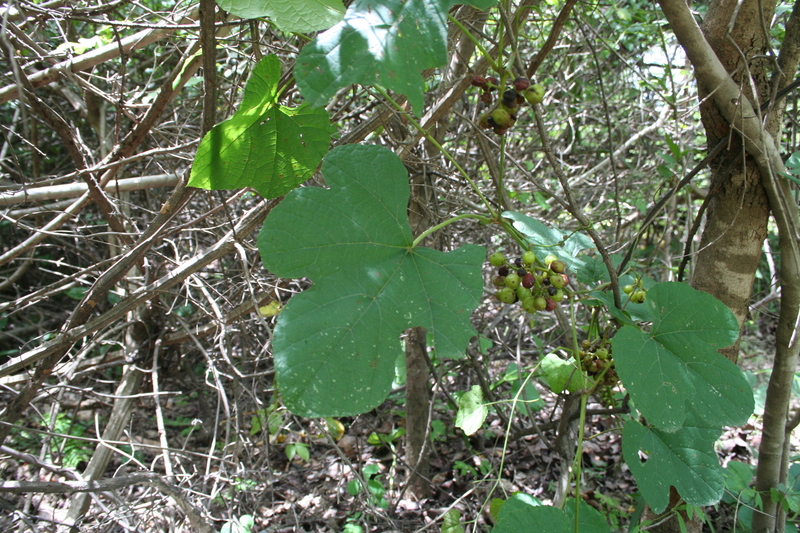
643, 456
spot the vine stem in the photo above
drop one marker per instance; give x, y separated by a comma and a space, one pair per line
482, 49
437, 227
439, 147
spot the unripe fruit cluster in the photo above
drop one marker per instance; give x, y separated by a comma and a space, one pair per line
636, 293
596, 359
504, 115
536, 288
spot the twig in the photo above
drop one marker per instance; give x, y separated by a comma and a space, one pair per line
194, 516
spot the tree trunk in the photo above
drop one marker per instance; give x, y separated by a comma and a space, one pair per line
739, 207
417, 413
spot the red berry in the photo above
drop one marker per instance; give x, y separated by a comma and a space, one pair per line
478, 81
550, 304
521, 84
528, 281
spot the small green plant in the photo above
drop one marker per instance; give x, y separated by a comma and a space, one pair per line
297, 449
243, 524
72, 451
375, 489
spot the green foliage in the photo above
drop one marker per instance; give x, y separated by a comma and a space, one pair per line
72, 451
472, 411
548, 240
297, 449
684, 459
374, 487
520, 511
451, 522
675, 368
299, 16
336, 344
559, 374
267, 146
387, 43
243, 524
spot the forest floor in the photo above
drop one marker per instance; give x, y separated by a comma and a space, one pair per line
243, 469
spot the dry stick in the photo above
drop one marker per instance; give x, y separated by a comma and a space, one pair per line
117, 420
162, 430
103, 485
67, 136
101, 55
73, 190
555, 31
126, 148
71, 330
51, 352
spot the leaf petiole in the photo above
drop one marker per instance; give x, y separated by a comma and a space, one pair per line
437, 227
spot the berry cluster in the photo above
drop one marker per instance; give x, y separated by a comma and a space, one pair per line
596, 360
504, 115
635, 292
536, 288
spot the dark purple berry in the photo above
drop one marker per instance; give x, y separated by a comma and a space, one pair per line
503, 271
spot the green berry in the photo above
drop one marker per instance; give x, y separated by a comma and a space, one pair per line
628, 289
549, 259
540, 303
523, 293
529, 305
601, 353
557, 281
529, 258
558, 266
512, 281
506, 295
502, 118
497, 259
534, 94
638, 296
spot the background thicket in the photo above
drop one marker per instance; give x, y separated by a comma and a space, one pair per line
137, 320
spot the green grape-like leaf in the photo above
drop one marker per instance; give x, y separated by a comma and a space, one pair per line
335, 345
266, 146
522, 513
684, 459
547, 240
590, 520
472, 411
298, 16
451, 522
559, 374
379, 42
677, 366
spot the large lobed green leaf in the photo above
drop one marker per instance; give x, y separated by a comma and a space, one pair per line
684, 459
266, 146
547, 240
335, 344
676, 366
379, 42
300, 16
522, 513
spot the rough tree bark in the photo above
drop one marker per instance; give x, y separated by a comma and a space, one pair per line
746, 181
